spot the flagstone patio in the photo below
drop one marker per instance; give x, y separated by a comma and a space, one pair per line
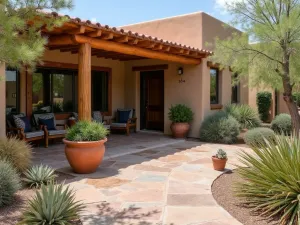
164, 185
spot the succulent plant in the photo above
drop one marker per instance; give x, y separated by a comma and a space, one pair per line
221, 154
53, 204
36, 176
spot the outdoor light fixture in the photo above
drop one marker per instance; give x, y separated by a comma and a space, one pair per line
180, 71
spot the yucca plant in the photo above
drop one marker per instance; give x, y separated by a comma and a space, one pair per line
36, 176
272, 179
53, 204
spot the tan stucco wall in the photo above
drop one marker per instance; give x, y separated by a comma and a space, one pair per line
2, 100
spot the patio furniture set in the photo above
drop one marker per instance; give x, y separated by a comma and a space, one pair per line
43, 126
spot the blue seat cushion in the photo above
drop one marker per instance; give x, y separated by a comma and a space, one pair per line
22, 122
123, 116
34, 134
48, 122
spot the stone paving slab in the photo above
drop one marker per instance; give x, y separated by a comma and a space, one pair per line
164, 185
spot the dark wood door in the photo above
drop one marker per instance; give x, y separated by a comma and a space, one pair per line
152, 100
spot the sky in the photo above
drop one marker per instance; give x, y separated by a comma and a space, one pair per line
124, 12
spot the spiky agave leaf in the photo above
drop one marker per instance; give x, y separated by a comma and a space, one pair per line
272, 179
36, 176
53, 204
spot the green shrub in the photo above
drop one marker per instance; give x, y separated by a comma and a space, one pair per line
180, 114
264, 101
53, 204
221, 154
17, 152
86, 131
219, 127
296, 98
39, 175
9, 183
244, 114
271, 179
282, 124
258, 135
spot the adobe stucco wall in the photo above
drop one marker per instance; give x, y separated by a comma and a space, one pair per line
2, 101
118, 74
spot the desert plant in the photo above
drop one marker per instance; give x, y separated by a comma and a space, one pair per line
221, 154
17, 152
244, 114
86, 131
53, 204
9, 183
219, 127
271, 179
263, 101
180, 114
258, 135
39, 175
282, 123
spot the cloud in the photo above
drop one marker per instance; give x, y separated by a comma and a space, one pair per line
221, 5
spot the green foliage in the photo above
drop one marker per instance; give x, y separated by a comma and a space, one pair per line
21, 44
39, 175
17, 152
271, 179
221, 154
219, 127
282, 123
244, 114
57, 107
53, 204
258, 135
296, 98
10, 183
263, 101
180, 114
86, 131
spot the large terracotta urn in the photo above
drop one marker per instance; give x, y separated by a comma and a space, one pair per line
85, 157
180, 130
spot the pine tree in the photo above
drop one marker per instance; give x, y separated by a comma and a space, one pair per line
21, 25
268, 50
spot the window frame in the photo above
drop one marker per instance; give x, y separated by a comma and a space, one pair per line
17, 87
217, 85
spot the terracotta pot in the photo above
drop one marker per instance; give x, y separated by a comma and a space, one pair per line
219, 164
180, 130
84, 157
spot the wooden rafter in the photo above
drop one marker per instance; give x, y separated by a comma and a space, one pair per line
121, 39
107, 36
79, 30
96, 33
133, 42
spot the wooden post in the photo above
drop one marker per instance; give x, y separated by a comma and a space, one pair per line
84, 82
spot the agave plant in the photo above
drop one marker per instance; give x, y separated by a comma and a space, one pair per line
39, 175
272, 177
53, 204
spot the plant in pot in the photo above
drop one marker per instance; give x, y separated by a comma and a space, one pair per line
219, 160
181, 116
84, 146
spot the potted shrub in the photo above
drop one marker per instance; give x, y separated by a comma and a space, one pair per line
84, 146
181, 116
219, 160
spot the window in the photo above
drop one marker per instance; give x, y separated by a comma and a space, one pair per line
55, 90
12, 91
235, 89
214, 86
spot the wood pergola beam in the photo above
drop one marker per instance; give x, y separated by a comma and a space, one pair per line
97, 33
122, 39
120, 48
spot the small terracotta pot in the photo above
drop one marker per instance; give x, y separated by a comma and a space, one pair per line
219, 164
84, 157
180, 130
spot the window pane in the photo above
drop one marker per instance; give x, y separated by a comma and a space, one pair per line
100, 91
11, 91
214, 86
62, 92
37, 92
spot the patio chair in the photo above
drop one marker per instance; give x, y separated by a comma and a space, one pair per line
19, 126
47, 122
124, 120
97, 117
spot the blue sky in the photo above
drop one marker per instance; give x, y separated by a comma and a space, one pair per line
122, 12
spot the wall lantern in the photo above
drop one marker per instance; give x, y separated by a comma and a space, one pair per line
180, 71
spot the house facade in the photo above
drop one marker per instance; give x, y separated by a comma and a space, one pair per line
147, 66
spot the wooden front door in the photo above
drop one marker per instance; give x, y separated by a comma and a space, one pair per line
152, 100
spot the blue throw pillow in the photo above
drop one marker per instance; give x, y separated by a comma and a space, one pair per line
22, 122
123, 116
48, 122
